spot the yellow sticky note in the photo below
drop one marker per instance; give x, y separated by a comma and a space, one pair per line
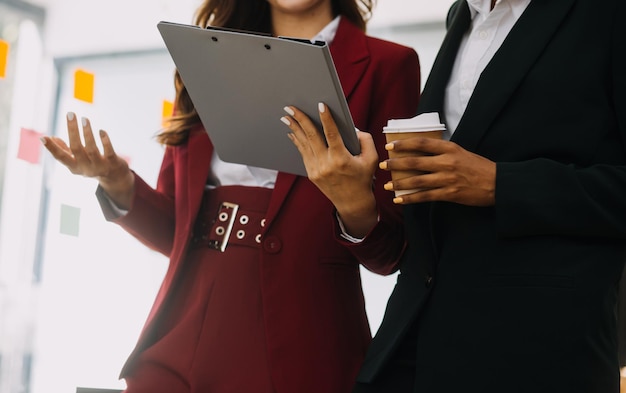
83, 86
4, 58
168, 111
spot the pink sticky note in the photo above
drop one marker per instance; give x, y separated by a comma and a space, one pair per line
30, 146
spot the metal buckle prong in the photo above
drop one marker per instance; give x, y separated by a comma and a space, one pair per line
229, 225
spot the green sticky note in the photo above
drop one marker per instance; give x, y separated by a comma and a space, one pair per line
70, 219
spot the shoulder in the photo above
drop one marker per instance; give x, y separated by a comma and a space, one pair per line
350, 36
384, 48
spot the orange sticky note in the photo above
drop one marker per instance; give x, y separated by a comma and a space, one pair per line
4, 58
83, 86
168, 111
30, 146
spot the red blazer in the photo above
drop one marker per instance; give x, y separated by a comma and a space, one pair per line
300, 243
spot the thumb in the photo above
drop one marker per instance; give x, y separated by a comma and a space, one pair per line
368, 148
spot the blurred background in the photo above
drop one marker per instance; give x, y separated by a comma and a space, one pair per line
74, 289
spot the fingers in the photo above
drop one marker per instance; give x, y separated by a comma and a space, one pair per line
90, 147
368, 148
73, 134
421, 144
331, 132
59, 150
456, 175
107, 146
82, 157
304, 129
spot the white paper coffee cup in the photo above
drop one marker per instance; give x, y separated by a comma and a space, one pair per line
426, 125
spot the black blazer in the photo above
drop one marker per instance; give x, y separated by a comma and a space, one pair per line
521, 297
621, 320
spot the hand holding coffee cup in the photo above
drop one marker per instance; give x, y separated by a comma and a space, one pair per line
426, 125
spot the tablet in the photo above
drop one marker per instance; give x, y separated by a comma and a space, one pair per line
239, 83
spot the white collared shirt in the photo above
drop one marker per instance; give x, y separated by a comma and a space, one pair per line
226, 173
488, 31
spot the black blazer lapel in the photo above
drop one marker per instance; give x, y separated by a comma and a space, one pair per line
506, 71
434, 90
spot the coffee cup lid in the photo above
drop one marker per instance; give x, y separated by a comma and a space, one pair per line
423, 122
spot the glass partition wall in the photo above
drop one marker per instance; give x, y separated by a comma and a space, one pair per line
20, 59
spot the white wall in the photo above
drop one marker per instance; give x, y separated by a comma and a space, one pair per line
77, 27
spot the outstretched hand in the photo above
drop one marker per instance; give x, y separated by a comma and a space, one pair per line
111, 171
345, 179
450, 173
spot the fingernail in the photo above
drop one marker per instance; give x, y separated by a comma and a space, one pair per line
285, 120
70, 116
397, 200
321, 107
389, 146
84, 121
382, 165
102, 133
289, 111
43, 140
388, 186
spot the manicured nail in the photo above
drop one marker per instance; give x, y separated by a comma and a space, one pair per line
389, 146
84, 121
388, 186
285, 120
397, 200
382, 165
70, 116
289, 111
321, 107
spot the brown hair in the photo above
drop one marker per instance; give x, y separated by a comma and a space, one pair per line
251, 15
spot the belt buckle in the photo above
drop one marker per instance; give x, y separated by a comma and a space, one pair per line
226, 216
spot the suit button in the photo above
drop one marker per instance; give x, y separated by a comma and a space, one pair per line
429, 281
272, 244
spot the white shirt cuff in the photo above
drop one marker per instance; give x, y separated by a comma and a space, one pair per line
344, 234
119, 212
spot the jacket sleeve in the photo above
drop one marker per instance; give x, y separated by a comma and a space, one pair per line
151, 217
395, 96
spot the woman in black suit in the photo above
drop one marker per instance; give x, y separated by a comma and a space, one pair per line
516, 241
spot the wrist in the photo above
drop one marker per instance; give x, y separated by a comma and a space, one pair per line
359, 217
119, 188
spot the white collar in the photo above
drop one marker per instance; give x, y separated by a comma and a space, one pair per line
328, 32
484, 6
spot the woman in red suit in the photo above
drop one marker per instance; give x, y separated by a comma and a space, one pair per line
263, 291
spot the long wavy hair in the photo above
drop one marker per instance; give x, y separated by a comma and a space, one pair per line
250, 15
